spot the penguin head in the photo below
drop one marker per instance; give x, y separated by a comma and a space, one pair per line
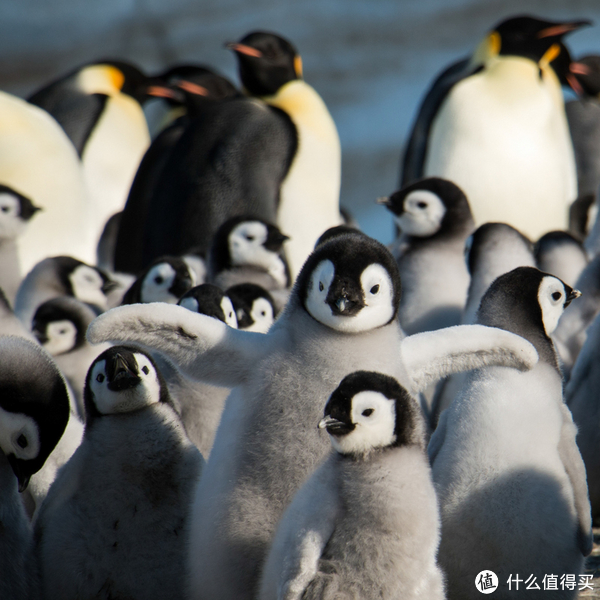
60, 324
526, 36
350, 283
208, 299
266, 62
34, 406
253, 305
369, 411
165, 280
250, 242
586, 72
122, 380
15, 212
430, 206
112, 77
334, 232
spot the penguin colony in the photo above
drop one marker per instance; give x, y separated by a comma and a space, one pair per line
216, 387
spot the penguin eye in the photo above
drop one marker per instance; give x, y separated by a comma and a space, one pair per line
158, 280
368, 412
5, 209
145, 370
556, 296
250, 238
263, 313
100, 378
22, 441
374, 289
320, 286
421, 204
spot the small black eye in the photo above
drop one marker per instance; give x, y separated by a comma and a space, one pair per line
374, 289
556, 296
63, 331
422, 204
263, 313
5, 209
320, 286
22, 441
100, 378
145, 370
368, 412
158, 280
250, 238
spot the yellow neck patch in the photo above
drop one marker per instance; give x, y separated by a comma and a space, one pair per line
489, 47
298, 66
101, 79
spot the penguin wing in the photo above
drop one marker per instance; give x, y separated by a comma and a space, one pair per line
416, 149
432, 355
202, 347
575, 468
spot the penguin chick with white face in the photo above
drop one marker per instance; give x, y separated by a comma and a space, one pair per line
115, 521
61, 276
34, 410
209, 299
560, 254
505, 452
254, 307
59, 325
351, 528
341, 317
250, 250
16, 211
434, 220
165, 280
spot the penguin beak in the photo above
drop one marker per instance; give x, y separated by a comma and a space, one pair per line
335, 427
275, 241
385, 200
109, 285
123, 377
344, 299
160, 91
40, 336
562, 28
181, 286
193, 88
243, 49
22, 478
571, 296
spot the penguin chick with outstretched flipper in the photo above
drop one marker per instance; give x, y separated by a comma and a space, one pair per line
34, 410
366, 524
341, 317
505, 452
254, 307
434, 219
115, 523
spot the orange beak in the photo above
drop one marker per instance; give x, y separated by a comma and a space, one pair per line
243, 49
561, 29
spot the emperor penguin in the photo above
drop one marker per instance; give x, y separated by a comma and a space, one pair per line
34, 409
497, 113
506, 467
115, 523
366, 523
209, 299
99, 107
434, 219
341, 317
254, 307
270, 68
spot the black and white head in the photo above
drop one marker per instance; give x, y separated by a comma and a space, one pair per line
34, 406
15, 212
529, 303
209, 299
166, 280
250, 242
60, 324
370, 411
122, 380
428, 207
111, 77
350, 283
335, 231
561, 254
266, 62
254, 307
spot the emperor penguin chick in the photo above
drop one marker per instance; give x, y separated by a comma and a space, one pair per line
366, 524
341, 317
560, 254
434, 220
115, 521
507, 470
254, 307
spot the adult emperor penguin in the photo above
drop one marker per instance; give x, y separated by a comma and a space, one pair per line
434, 219
99, 107
502, 112
115, 522
505, 453
270, 68
34, 409
341, 317
366, 524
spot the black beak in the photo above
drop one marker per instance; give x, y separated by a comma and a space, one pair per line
181, 286
40, 336
345, 298
275, 240
335, 427
109, 285
122, 376
571, 296
17, 467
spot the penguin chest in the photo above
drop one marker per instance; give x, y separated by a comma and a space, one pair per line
502, 136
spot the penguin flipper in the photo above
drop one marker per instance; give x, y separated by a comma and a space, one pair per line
432, 355
202, 347
575, 468
416, 149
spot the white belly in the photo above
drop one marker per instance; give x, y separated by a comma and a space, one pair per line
502, 136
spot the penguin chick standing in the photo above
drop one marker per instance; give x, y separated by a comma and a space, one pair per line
341, 317
561, 255
434, 220
34, 409
504, 453
271, 69
496, 126
115, 521
366, 524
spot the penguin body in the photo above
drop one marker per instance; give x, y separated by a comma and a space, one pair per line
254, 307
505, 450
115, 519
340, 317
369, 506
